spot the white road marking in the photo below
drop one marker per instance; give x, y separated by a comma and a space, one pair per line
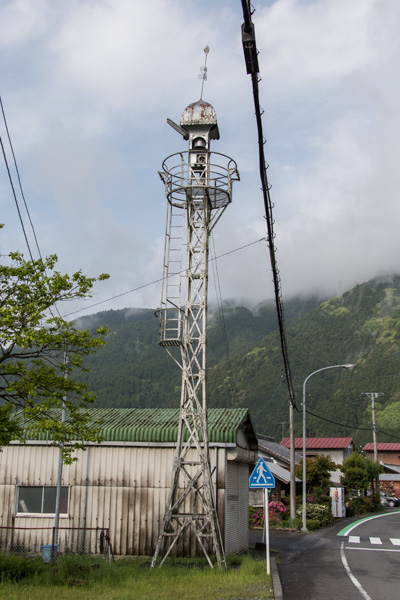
348, 530
354, 539
372, 549
350, 574
375, 540
395, 541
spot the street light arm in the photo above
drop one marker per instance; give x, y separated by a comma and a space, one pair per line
349, 367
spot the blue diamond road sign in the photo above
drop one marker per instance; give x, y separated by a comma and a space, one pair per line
261, 476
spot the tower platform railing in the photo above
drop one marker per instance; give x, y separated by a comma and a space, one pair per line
183, 175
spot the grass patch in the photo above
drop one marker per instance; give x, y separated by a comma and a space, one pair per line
78, 578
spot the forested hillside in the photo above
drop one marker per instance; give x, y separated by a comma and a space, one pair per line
133, 370
245, 367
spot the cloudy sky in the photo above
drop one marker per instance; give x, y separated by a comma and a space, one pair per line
87, 86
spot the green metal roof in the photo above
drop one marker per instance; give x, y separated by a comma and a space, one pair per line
161, 424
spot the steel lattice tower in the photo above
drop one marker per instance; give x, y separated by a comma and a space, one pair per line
198, 187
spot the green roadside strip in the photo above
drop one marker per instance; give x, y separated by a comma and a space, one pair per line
346, 530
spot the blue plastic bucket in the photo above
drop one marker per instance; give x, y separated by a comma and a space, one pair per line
45, 551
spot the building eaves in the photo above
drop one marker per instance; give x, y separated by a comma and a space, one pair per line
275, 450
280, 472
392, 468
158, 425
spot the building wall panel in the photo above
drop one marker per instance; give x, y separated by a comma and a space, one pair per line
123, 488
243, 523
231, 507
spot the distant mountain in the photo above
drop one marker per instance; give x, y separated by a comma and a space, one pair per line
132, 370
245, 366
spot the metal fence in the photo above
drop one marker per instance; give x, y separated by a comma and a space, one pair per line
30, 541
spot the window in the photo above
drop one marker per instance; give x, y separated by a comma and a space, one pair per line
40, 500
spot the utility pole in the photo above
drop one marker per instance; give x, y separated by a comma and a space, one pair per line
292, 465
60, 471
373, 396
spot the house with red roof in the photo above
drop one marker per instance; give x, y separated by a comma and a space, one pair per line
338, 448
388, 452
389, 457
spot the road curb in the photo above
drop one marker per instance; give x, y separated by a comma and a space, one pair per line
276, 580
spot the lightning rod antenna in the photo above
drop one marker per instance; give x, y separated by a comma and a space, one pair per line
203, 74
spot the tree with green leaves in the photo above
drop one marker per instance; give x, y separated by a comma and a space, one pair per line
318, 471
388, 417
359, 472
41, 352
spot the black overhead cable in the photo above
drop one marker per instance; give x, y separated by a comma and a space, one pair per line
250, 55
309, 412
15, 198
379, 430
19, 181
140, 287
354, 427
23, 196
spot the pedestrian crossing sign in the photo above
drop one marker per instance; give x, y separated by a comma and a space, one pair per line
261, 476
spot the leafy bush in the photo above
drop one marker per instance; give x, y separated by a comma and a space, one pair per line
312, 524
359, 505
13, 568
291, 524
317, 512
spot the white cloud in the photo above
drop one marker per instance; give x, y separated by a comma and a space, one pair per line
23, 22
88, 85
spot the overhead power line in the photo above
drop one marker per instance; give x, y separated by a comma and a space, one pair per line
354, 427
22, 194
20, 184
251, 59
140, 287
348, 426
13, 189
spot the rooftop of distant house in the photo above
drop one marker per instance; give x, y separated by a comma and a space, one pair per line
318, 443
382, 447
272, 448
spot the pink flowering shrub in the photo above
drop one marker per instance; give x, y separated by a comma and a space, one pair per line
256, 514
276, 511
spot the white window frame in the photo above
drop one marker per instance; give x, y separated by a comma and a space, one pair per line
42, 515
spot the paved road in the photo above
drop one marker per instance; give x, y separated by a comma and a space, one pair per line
370, 553
324, 566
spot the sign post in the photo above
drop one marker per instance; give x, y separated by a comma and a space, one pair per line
261, 477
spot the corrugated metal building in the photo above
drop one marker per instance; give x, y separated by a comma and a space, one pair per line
122, 483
